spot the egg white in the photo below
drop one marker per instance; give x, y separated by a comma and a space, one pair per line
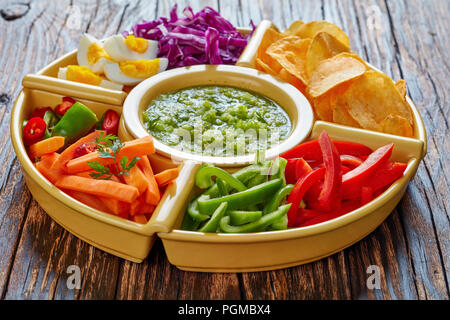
82, 54
116, 47
62, 74
114, 73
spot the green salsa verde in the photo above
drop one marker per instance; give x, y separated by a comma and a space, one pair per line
216, 121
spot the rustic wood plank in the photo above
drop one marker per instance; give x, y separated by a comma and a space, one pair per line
411, 247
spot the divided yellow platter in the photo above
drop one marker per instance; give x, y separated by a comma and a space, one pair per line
195, 250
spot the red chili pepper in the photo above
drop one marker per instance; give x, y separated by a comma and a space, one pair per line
350, 161
302, 168
40, 112
67, 103
83, 149
311, 150
346, 207
330, 196
111, 122
299, 190
34, 130
353, 181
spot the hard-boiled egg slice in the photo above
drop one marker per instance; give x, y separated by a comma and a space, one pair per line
131, 48
85, 75
134, 71
92, 54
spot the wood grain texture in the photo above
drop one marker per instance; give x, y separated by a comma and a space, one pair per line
405, 38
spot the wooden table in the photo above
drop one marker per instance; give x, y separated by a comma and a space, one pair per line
405, 38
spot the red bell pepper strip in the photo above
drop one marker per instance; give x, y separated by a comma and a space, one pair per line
346, 207
304, 215
330, 196
311, 150
345, 169
300, 188
386, 175
351, 161
366, 195
34, 130
289, 171
353, 181
302, 168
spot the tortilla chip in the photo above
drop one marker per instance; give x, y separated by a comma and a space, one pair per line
322, 47
395, 124
401, 87
342, 116
325, 104
290, 52
334, 71
372, 98
310, 29
286, 76
262, 66
293, 28
270, 36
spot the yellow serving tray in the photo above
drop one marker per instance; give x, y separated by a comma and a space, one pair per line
194, 250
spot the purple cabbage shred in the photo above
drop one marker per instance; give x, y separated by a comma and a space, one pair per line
204, 37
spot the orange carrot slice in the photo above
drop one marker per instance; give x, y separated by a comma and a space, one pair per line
117, 207
49, 145
69, 152
136, 205
136, 178
142, 219
45, 167
164, 177
134, 148
102, 188
88, 199
152, 194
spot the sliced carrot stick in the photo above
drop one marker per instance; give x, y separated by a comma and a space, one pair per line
164, 177
134, 148
88, 199
69, 152
102, 188
44, 167
49, 145
142, 219
136, 205
146, 208
136, 178
119, 208
152, 195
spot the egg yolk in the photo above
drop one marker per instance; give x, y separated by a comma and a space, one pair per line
139, 68
96, 52
136, 44
82, 74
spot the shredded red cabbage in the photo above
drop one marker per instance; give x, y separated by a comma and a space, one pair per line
204, 37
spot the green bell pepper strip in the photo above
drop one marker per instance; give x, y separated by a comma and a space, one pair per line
51, 119
193, 210
212, 224
75, 123
280, 224
277, 198
243, 175
278, 169
243, 199
223, 190
203, 178
189, 223
259, 225
238, 217
262, 176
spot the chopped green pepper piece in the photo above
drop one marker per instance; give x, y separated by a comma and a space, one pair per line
243, 199
259, 225
238, 217
277, 198
213, 223
51, 119
193, 210
280, 224
75, 123
203, 178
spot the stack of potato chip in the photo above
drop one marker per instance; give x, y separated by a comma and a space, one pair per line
316, 58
